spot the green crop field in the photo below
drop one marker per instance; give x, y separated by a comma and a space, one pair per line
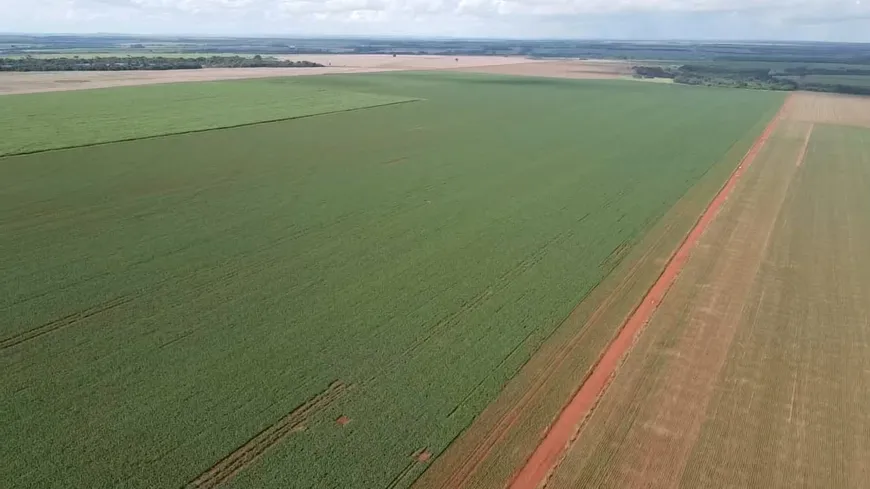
43, 121
166, 300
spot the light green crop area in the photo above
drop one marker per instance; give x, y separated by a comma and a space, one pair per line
35, 122
165, 300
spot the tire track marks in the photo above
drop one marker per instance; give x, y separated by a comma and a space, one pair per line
250, 452
63, 322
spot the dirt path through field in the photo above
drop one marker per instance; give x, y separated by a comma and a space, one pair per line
550, 452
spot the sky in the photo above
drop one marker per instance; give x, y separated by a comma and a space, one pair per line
799, 20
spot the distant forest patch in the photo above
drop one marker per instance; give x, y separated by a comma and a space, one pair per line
128, 63
766, 76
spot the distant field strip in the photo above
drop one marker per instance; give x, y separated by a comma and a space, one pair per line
224, 470
174, 296
39, 122
753, 373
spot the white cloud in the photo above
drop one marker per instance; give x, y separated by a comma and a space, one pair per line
784, 19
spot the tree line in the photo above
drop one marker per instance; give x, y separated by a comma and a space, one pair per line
127, 63
754, 78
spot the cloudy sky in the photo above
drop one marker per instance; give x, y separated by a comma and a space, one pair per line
824, 20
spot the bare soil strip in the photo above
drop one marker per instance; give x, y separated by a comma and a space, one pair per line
248, 453
550, 452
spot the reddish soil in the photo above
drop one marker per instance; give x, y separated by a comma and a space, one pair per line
342, 420
566, 427
424, 456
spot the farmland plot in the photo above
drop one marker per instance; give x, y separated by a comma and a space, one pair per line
502, 439
38, 122
754, 370
329, 301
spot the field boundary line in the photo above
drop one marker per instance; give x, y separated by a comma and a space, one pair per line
566, 427
194, 131
253, 449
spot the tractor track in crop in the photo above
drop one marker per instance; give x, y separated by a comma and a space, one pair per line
251, 451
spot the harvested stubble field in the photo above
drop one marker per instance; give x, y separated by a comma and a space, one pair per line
326, 301
755, 370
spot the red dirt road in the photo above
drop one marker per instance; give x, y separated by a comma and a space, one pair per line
566, 427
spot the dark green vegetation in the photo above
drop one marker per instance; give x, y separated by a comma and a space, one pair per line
768, 75
168, 299
131, 63
37, 122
